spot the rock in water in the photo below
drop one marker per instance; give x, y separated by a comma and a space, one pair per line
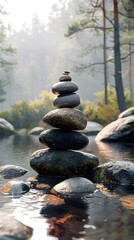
14, 187
67, 100
73, 186
49, 162
127, 113
64, 87
120, 130
116, 172
61, 139
11, 228
12, 171
6, 128
66, 118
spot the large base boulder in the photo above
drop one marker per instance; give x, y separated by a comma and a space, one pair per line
49, 162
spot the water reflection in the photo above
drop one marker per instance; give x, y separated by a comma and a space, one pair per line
101, 216
116, 151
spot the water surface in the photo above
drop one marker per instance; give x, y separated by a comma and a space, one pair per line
105, 215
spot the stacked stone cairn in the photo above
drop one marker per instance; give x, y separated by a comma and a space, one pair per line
62, 157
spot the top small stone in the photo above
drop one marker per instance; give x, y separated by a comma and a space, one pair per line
65, 77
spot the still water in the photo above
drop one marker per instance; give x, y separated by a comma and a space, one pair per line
105, 215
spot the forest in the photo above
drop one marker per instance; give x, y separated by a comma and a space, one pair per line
93, 39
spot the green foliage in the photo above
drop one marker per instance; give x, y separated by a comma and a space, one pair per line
29, 114
100, 112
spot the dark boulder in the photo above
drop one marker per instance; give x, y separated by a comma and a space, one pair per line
116, 172
49, 162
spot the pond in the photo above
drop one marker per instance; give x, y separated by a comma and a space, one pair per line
104, 215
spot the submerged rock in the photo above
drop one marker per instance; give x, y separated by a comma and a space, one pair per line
116, 172
11, 228
74, 186
120, 130
6, 128
12, 171
61, 139
14, 187
66, 118
49, 162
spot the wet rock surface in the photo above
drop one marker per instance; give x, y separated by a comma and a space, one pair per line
116, 172
61, 139
74, 186
49, 162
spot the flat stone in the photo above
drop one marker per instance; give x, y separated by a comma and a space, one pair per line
61, 139
120, 130
67, 100
115, 172
11, 228
12, 171
66, 118
49, 162
72, 186
127, 113
14, 187
64, 87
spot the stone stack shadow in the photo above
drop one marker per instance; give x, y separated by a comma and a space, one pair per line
62, 157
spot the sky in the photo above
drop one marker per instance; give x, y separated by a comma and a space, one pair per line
21, 11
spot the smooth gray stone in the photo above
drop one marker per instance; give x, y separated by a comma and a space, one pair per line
11, 228
12, 171
74, 186
59, 163
64, 87
120, 130
66, 118
59, 139
116, 172
6, 128
67, 100
127, 113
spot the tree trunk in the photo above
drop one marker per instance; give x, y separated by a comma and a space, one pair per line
117, 58
104, 52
